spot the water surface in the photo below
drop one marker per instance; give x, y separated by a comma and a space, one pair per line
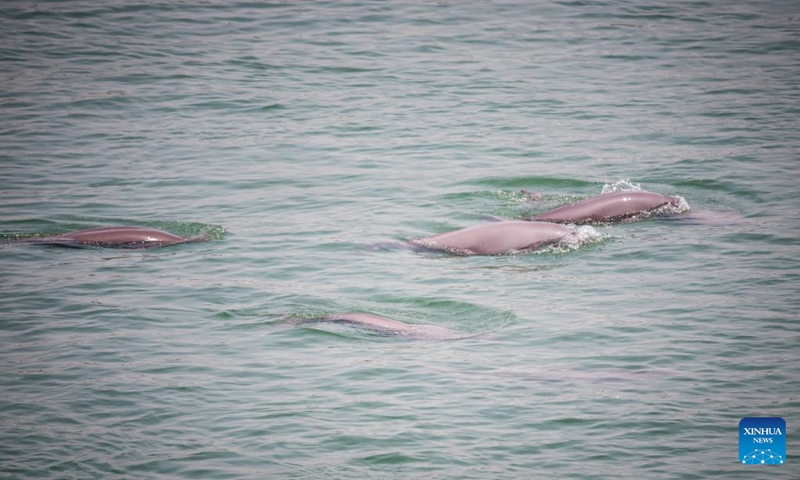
300, 136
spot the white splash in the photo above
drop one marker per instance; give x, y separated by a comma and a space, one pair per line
580, 236
621, 185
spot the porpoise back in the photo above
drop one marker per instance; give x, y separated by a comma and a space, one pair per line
116, 237
609, 207
387, 327
495, 238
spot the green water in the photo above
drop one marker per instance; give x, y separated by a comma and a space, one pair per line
303, 138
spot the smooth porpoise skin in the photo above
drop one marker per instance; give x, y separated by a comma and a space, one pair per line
495, 238
609, 207
385, 326
116, 237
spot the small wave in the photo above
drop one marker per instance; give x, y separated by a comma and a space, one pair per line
210, 231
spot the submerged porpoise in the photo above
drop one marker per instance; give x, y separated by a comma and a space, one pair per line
384, 326
495, 238
116, 237
606, 208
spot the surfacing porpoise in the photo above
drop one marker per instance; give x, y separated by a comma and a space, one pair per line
495, 238
607, 208
116, 237
384, 326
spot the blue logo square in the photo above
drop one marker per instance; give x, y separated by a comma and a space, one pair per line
762, 441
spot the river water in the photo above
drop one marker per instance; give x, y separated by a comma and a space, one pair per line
307, 139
